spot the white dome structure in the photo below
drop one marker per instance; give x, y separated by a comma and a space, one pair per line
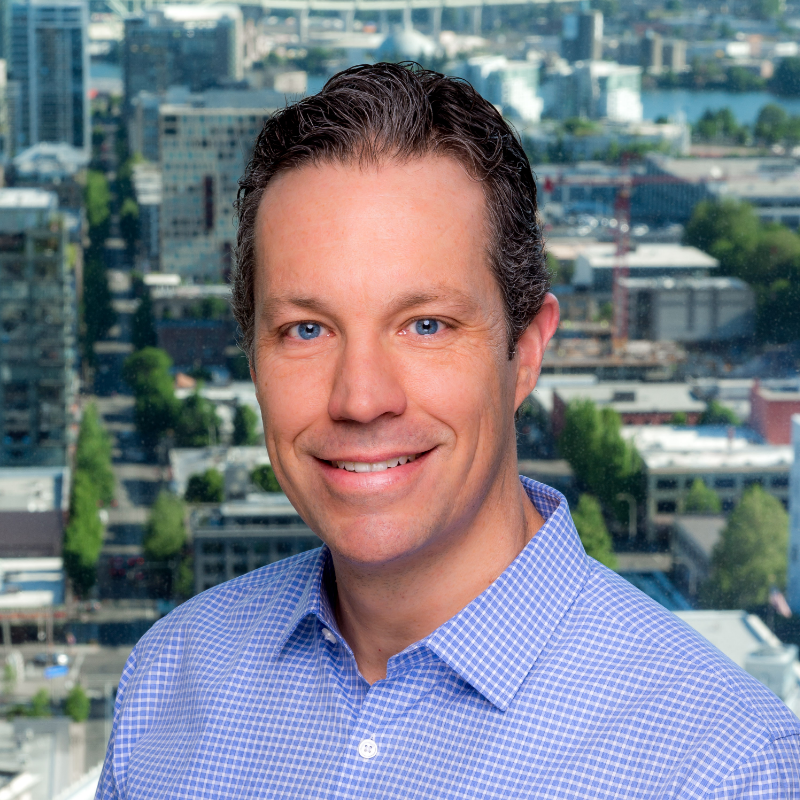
407, 43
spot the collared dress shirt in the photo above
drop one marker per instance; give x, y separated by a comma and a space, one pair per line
561, 680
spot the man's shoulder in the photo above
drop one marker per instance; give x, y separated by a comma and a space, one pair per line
220, 616
664, 654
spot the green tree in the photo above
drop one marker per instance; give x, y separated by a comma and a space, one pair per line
98, 207
729, 231
165, 531
93, 454
83, 537
264, 477
702, 500
196, 424
97, 312
771, 124
588, 519
147, 373
679, 418
786, 80
184, 579
244, 426
129, 222
206, 487
750, 557
143, 329
718, 414
603, 462
77, 704
40, 704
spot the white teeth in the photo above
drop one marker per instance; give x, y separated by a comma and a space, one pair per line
377, 466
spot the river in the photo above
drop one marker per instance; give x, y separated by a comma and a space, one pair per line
671, 103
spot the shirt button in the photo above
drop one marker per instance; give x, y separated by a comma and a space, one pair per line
328, 636
367, 748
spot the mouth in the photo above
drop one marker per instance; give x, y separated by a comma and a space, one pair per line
376, 466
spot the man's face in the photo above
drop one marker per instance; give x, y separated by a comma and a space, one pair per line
381, 361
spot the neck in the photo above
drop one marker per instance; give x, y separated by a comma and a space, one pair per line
382, 611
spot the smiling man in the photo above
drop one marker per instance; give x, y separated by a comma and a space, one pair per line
451, 639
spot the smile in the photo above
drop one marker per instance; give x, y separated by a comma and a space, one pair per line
374, 466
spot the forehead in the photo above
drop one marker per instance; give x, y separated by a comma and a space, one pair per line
368, 229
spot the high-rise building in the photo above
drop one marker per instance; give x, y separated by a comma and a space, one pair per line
582, 37
204, 149
48, 60
37, 330
512, 86
182, 45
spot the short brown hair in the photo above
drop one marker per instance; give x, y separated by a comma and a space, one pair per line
380, 112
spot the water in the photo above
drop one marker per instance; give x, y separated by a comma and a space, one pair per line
745, 105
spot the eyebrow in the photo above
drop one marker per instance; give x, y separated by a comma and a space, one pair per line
397, 304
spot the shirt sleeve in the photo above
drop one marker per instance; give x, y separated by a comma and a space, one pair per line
773, 773
107, 787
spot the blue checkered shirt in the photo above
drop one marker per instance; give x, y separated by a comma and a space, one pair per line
561, 680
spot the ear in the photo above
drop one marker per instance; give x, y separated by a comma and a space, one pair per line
531, 347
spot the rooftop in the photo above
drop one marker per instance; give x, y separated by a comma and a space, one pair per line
649, 256
705, 447
48, 159
34, 489
684, 283
185, 462
28, 198
699, 170
630, 397
703, 529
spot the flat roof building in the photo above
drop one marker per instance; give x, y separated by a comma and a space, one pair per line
637, 402
594, 266
772, 405
727, 460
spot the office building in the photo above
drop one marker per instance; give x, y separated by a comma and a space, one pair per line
582, 36
197, 46
37, 330
771, 185
727, 460
204, 150
594, 266
48, 60
599, 90
690, 309
511, 86
240, 536
793, 577
146, 179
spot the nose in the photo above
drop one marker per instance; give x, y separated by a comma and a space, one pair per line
365, 385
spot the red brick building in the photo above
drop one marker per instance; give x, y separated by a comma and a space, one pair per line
771, 410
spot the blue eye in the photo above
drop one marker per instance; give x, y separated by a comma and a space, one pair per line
426, 327
309, 330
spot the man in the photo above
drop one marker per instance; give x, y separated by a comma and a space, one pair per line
451, 639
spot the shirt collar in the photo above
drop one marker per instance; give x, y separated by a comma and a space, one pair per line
494, 642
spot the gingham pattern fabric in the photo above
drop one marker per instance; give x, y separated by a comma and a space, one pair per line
560, 681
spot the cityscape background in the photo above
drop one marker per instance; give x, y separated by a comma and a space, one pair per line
665, 138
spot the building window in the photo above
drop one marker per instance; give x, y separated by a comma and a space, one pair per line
666, 507
724, 483
667, 483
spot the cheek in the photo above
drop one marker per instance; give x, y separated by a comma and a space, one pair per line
467, 394
293, 396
